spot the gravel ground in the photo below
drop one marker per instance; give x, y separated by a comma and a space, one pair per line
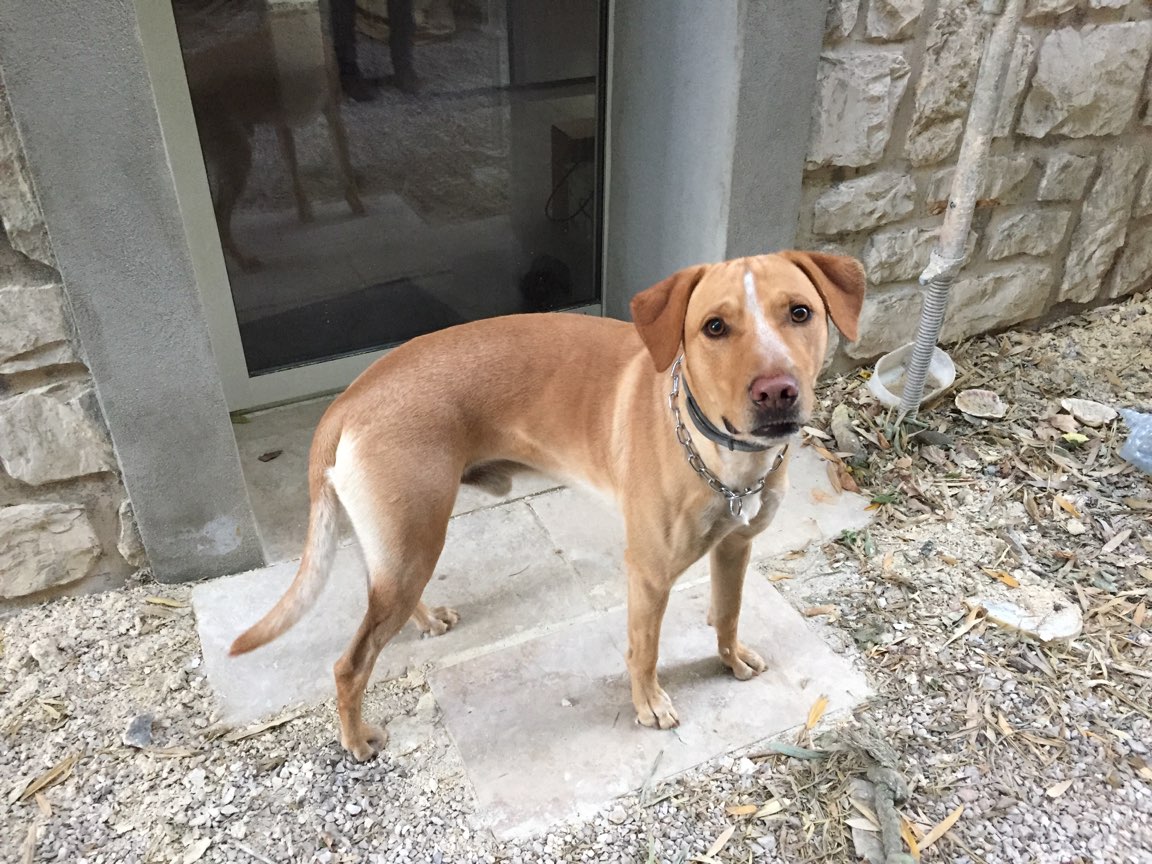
999, 748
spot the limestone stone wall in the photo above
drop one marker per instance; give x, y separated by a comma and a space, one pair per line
1066, 212
65, 519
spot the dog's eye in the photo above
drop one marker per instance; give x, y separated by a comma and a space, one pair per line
801, 313
715, 327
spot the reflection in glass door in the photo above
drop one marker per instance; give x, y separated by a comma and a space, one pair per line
384, 168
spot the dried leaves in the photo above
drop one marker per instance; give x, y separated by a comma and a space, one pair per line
241, 734
929, 839
51, 777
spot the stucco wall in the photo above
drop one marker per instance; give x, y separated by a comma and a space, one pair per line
65, 519
1066, 214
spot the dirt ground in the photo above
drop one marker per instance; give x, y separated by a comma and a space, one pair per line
982, 744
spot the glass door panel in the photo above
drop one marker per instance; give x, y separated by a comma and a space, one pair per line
384, 168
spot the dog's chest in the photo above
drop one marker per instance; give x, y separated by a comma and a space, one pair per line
756, 512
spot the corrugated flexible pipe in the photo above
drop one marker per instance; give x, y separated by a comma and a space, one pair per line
948, 255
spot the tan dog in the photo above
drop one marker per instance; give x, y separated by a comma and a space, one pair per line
588, 399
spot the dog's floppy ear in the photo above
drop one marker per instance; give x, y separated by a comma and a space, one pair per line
658, 314
840, 281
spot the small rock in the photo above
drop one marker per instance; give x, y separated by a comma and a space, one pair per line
47, 655
1089, 413
25, 691
1037, 611
139, 732
745, 767
415, 678
1075, 527
128, 541
867, 844
617, 816
981, 403
847, 441
406, 734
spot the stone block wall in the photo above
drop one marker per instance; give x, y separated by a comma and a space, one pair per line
1066, 212
65, 519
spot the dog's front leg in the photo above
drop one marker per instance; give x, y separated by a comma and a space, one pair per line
729, 561
648, 590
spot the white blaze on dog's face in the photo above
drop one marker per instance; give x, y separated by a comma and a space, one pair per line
754, 334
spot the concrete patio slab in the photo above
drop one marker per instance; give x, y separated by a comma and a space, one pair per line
546, 727
499, 570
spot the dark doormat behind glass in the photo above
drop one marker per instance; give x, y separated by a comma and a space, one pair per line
364, 320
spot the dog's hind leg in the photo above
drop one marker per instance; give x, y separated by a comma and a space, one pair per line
401, 538
397, 576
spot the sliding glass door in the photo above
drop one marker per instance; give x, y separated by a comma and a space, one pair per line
378, 169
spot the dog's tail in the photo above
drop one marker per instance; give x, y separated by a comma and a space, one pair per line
319, 550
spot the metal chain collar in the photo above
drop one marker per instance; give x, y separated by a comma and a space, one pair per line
735, 499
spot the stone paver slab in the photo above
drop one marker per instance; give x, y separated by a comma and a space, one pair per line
499, 570
546, 727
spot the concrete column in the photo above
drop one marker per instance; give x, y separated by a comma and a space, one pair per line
780, 45
84, 106
709, 109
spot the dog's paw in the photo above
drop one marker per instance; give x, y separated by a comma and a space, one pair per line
368, 744
656, 711
439, 621
743, 661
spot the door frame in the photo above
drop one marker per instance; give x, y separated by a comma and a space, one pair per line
242, 391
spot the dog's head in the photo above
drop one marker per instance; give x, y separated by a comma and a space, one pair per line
754, 331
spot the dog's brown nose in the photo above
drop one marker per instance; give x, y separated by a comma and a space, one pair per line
775, 392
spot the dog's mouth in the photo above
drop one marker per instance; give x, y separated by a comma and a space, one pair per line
776, 430
773, 430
